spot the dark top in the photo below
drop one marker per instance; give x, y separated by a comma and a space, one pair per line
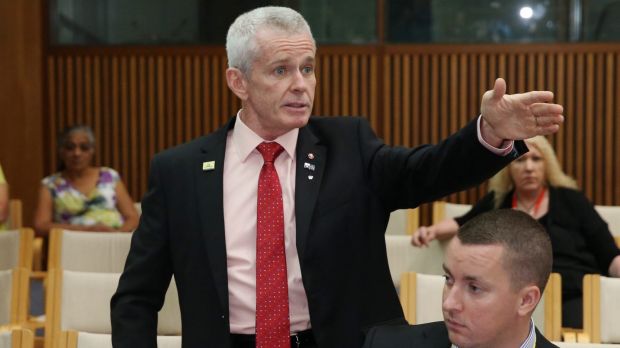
580, 238
431, 335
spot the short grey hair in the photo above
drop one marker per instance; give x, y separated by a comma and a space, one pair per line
241, 46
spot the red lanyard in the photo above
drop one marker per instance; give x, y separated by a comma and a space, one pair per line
539, 200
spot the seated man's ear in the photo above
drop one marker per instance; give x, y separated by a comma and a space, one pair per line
530, 296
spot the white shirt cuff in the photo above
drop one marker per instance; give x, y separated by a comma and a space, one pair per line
505, 148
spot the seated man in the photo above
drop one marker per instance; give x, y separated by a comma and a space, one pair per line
496, 268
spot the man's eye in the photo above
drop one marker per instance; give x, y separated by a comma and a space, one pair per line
280, 70
474, 288
308, 70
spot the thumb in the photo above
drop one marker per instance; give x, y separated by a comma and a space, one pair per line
499, 89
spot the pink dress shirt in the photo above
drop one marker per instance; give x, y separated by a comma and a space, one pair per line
241, 170
242, 166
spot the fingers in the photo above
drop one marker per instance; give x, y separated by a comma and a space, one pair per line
499, 89
422, 236
533, 97
541, 109
549, 120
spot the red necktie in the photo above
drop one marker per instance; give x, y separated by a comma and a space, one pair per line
272, 315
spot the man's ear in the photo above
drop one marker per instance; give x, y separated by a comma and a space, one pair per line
237, 83
530, 296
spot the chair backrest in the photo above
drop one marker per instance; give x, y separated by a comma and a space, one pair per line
584, 345
16, 338
403, 257
80, 301
15, 214
77, 339
443, 210
88, 251
14, 296
611, 215
548, 314
429, 290
138, 206
403, 221
16, 248
601, 308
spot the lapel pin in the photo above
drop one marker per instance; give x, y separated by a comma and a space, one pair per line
310, 177
210, 165
309, 166
310, 155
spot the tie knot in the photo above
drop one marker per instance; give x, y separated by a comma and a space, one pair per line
270, 151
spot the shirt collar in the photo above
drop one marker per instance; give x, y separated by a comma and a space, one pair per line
530, 341
245, 140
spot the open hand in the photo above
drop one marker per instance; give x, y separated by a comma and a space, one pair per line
518, 116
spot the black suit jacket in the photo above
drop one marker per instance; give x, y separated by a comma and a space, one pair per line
341, 219
431, 335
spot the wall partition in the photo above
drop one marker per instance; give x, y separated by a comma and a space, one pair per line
141, 100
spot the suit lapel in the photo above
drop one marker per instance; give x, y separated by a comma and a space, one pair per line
310, 154
210, 197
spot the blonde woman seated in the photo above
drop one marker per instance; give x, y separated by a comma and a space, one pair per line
580, 238
81, 196
4, 201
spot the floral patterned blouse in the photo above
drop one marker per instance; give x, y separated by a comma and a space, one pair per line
71, 206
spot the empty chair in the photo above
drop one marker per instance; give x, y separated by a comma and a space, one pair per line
443, 210
16, 248
88, 251
14, 296
16, 338
601, 308
421, 298
427, 288
76, 339
403, 221
402, 257
585, 345
80, 301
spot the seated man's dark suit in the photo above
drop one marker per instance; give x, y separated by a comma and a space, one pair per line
431, 335
342, 209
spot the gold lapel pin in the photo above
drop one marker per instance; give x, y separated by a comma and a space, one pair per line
210, 165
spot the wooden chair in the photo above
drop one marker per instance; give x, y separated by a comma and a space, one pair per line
429, 288
443, 210
414, 286
77, 339
15, 337
80, 301
15, 214
601, 308
14, 296
16, 248
403, 221
403, 257
611, 215
88, 251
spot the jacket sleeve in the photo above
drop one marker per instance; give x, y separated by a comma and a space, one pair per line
146, 277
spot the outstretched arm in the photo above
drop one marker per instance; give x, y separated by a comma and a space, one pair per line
518, 116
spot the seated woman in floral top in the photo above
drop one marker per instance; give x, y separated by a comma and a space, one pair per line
80, 196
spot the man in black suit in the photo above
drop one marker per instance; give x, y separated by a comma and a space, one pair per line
496, 268
338, 181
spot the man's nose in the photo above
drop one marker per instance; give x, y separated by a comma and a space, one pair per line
452, 299
299, 82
